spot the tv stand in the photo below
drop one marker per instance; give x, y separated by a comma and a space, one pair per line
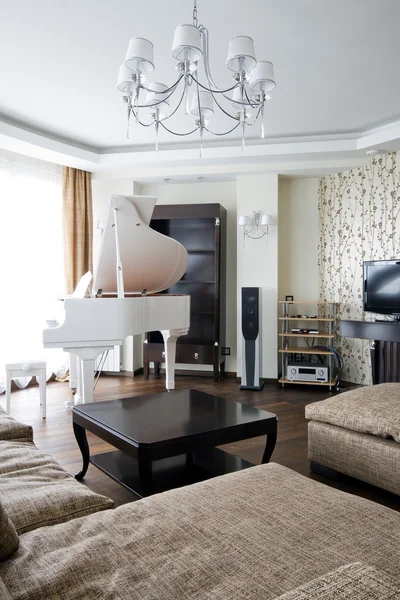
395, 320
385, 355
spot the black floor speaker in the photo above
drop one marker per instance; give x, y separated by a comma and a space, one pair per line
251, 355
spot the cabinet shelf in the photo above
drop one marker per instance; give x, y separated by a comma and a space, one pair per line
308, 335
300, 350
330, 383
307, 302
194, 281
327, 319
200, 250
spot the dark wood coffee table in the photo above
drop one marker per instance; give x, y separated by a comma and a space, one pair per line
168, 440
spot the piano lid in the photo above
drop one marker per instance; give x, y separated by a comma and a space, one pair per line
150, 261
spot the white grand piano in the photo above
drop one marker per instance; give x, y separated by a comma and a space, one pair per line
135, 263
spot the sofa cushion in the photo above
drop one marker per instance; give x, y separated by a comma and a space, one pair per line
4, 593
366, 457
10, 429
9, 540
351, 582
36, 491
252, 535
373, 409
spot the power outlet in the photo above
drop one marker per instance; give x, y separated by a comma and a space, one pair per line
225, 351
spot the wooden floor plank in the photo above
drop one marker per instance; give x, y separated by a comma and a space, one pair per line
55, 436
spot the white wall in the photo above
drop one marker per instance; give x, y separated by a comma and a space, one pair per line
223, 193
257, 264
298, 238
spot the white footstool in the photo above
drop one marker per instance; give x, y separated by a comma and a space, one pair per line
27, 369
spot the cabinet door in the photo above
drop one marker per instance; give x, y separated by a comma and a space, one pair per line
202, 239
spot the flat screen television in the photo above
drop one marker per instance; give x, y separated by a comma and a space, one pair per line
382, 287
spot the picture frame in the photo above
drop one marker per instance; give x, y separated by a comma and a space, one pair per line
289, 298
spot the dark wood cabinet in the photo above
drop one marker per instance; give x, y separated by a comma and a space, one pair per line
201, 229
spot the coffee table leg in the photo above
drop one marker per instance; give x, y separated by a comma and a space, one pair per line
80, 436
269, 446
145, 474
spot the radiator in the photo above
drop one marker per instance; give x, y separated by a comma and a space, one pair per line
385, 362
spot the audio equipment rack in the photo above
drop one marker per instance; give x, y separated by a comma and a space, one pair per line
301, 315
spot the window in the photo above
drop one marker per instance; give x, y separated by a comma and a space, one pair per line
31, 260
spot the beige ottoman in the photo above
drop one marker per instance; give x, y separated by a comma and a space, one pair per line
358, 433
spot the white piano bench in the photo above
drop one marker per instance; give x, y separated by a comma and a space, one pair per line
27, 369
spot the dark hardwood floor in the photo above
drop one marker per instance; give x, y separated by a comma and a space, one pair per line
54, 435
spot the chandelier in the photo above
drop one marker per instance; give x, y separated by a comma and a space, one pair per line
252, 83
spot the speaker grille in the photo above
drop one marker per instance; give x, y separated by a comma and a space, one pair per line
250, 309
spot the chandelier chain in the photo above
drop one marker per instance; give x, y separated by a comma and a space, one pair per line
221, 108
176, 133
224, 132
195, 20
168, 90
209, 89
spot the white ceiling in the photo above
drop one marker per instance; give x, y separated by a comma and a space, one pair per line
336, 63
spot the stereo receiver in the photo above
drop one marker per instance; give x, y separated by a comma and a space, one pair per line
307, 372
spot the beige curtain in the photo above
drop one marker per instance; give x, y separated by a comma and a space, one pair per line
77, 225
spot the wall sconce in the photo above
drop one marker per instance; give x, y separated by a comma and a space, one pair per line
256, 227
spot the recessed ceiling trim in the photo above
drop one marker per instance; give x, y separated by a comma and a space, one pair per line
23, 141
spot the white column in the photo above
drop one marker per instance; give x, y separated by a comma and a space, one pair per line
257, 265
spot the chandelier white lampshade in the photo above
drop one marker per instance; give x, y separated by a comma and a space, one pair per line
244, 220
266, 220
262, 77
241, 46
157, 95
187, 44
206, 104
124, 82
140, 55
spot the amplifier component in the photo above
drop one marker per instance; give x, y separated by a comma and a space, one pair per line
305, 331
307, 372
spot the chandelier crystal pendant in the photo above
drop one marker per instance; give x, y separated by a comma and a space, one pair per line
252, 84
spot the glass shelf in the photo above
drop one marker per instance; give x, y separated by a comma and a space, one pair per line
193, 281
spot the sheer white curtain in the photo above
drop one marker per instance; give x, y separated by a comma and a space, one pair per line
31, 261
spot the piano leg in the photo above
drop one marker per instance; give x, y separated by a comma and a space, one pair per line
86, 361
170, 338
87, 374
170, 354
78, 394
73, 369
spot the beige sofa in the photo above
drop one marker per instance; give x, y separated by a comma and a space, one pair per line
265, 532
358, 433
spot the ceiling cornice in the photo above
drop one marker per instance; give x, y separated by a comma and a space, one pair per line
340, 150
